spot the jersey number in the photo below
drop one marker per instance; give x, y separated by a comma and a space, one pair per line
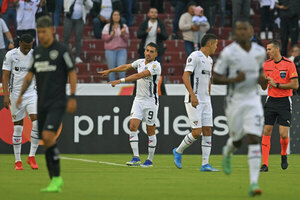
258, 120
150, 115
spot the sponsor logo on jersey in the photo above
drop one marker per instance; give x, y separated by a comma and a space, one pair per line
195, 122
282, 74
21, 69
53, 54
44, 66
206, 72
154, 66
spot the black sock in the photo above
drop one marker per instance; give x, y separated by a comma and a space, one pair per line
52, 160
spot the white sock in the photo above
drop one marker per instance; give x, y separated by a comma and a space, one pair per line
229, 147
206, 147
254, 156
151, 146
34, 139
17, 141
186, 142
134, 143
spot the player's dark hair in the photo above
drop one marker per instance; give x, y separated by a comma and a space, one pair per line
152, 44
276, 43
27, 38
206, 38
44, 22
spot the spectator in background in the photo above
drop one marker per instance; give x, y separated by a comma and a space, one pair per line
152, 30
116, 35
210, 10
201, 22
128, 10
187, 28
266, 19
9, 12
179, 9
240, 7
222, 12
295, 51
58, 9
75, 18
104, 13
4, 30
26, 12
289, 14
158, 4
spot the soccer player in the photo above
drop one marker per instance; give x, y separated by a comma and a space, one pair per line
197, 80
282, 79
145, 105
240, 66
15, 67
52, 64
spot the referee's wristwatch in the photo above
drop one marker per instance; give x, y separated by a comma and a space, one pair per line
72, 96
277, 85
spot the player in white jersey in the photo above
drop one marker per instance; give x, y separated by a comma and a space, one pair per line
15, 67
197, 80
145, 105
240, 66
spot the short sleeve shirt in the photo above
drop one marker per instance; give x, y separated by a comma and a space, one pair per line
281, 72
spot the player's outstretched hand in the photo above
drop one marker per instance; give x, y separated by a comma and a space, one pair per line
271, 82
194, 101
104, 73
19, 101
6, 102
114, 83
71, 106
240, 77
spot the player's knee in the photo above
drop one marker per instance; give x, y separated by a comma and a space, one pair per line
268, 131
253, 139
237, 144
133, 127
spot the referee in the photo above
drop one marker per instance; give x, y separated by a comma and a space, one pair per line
52, 65
282, 79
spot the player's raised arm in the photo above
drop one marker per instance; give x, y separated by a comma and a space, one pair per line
121, 68
5, 81
26, 83
131, 78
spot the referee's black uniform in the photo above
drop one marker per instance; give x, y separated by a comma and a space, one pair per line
51, 66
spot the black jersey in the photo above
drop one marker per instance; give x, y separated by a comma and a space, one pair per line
51, 66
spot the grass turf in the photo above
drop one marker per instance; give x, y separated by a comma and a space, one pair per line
91, 180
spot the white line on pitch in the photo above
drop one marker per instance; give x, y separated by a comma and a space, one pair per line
93, 161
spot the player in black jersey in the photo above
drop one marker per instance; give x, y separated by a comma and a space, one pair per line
52, 64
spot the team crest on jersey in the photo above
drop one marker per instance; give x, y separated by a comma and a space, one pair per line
131, 114
53, 54
190, 60
154, 66
14, 116
195, 122
282, 74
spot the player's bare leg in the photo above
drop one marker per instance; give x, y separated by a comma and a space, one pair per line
52, 159
187, 141
284, 141
254, 157
34, 142
265, 147
151, 146
17, 144
134, 142
206, 149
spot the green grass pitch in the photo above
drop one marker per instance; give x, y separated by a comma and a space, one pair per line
93, 180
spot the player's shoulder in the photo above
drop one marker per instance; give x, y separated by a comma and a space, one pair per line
156, 64
12, 52
284, 59
232, 47
139, 61
258, 48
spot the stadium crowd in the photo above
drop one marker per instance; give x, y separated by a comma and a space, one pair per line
167, 21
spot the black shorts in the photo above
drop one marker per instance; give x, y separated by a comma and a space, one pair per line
278, 109
50, 119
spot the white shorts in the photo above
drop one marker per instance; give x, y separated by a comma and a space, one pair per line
245, 118
144, 110
199, 116
28, 104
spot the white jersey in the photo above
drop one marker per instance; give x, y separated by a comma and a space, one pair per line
234, 59
18, 64
147, 87
26, 14
201, 67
